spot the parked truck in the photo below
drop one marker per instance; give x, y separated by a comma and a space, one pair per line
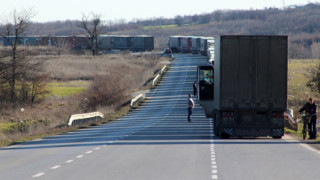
142, 43
250, 85
175, 43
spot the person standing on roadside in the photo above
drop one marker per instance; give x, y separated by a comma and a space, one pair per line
195, 88
190, 107
311, 110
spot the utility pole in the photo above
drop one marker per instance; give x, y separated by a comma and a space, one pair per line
283, 4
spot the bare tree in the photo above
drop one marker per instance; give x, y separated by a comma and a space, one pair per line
93, 27
12, 32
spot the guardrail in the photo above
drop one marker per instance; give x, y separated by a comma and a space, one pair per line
158, 75
136, 99
77, 119
164, 67
155, 79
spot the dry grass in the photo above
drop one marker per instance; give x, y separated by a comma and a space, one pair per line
298, 77
298, 91
52, 114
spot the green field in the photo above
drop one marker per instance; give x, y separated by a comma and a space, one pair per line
298, 92
160, 27
62, 89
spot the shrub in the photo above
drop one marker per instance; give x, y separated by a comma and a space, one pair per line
107, 90
314, 82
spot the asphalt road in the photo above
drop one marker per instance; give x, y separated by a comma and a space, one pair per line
155, 141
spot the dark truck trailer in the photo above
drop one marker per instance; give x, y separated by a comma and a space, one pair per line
250, 85
204, 45
195, 43
142, 43
122, 42
106, 42
175, 43
186, 44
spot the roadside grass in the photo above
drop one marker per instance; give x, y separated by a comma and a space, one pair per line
160, 27
299, 74
70, 76
63, 89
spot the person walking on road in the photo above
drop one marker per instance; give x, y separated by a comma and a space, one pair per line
190, 107
311, 110
195, 88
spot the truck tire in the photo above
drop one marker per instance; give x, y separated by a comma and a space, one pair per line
277, 137
224, 135
216, 129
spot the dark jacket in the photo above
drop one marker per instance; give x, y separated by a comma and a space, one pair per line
309, 108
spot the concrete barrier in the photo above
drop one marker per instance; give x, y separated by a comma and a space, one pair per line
136, 100
158, 75
155, 79
162, 69
77, 119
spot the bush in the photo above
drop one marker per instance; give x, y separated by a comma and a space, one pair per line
107, 90
314, 82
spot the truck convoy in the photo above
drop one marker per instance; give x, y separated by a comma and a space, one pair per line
243, 87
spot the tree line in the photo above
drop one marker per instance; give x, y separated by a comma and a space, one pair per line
301, 23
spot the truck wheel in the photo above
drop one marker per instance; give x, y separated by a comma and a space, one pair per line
216, 131
224, 135
277, 137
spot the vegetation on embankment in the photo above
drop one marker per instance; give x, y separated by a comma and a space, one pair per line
299, 74
77, 84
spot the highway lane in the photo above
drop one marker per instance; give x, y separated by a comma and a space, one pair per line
155, 141
265, 159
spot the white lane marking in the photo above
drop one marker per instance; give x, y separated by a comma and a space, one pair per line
38, 175
55, 167
97, 148
88, 152
80, 156
69, 161
214, 176
289, 138
308, 147
214, 171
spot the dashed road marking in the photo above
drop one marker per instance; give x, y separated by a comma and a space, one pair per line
80, 156
214, 176
214, 168
38, 175
89, 152
55, 167
97, 148
69, 161
214, 171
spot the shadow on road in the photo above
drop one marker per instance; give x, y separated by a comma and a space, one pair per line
162, 120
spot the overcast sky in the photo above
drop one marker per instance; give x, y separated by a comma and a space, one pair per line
52, 10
